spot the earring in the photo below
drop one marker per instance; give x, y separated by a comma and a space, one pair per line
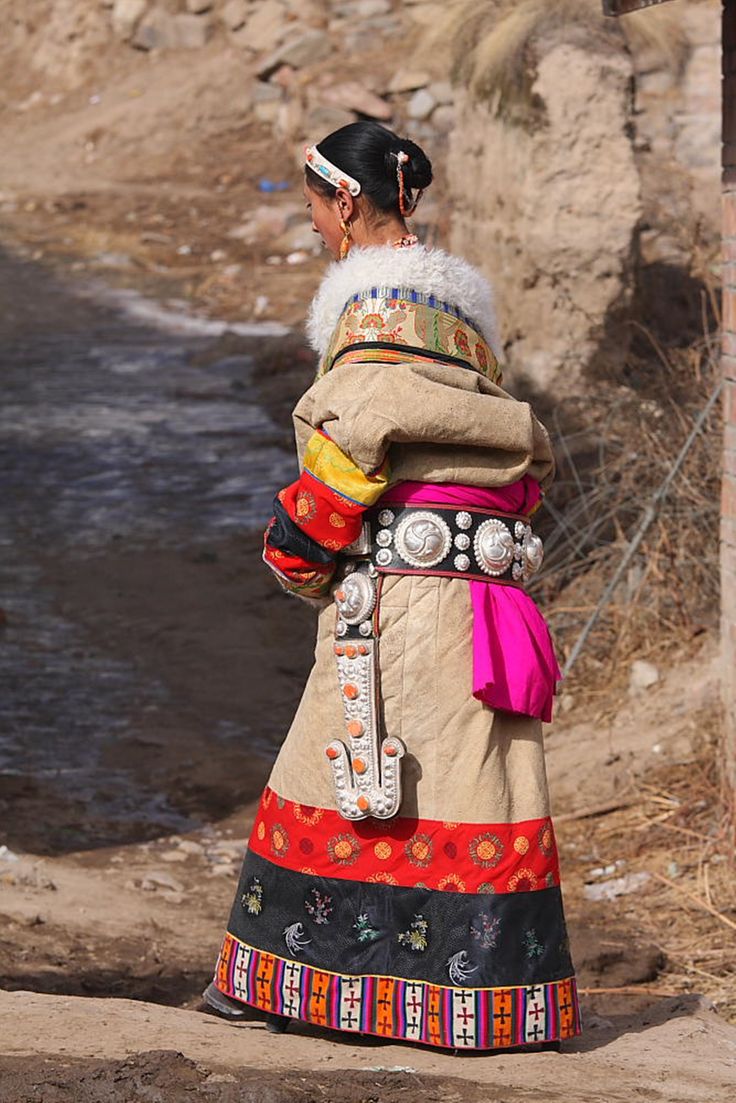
345, 243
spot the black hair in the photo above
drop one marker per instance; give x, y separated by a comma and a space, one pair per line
367, 151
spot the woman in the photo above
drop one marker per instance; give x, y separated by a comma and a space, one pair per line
402, 876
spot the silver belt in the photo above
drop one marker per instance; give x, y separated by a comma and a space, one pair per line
439, 540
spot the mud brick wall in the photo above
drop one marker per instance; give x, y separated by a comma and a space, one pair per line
728, 508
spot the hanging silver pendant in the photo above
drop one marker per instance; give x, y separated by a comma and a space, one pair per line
366, 770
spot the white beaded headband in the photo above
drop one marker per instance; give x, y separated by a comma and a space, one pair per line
331, 172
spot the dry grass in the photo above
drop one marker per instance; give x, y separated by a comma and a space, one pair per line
493, 46
676, 829
623, 444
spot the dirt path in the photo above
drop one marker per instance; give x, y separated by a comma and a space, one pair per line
684, 1054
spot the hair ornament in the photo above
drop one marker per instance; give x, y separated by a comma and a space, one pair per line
339, 179
405, 208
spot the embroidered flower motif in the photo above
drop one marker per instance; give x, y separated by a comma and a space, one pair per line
252, 898
332, 545
545, 839
481, 355
382, 879
524, 880
532, 946
319, 907
486, 850
451, 883
372, 321
487, 887
382, 851
306, 846
450, 850
337, 521
343, 849
294, 938
308, 815
459, 967
419, 850
549, 880
460, 338
280, 842
521, 844
261, 831
366, 933
306, 507
416, 937
485, 929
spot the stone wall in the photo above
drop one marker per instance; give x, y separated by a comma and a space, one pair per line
594, 215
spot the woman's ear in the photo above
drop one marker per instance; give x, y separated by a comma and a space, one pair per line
345, 203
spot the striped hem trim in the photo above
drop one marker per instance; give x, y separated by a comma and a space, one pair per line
391, 1007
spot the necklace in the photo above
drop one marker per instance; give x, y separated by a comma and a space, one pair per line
405, 242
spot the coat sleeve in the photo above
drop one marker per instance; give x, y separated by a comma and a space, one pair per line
459, 426
319, 515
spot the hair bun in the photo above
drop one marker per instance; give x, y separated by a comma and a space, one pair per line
417, 167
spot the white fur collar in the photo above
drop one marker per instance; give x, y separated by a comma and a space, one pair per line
424, 269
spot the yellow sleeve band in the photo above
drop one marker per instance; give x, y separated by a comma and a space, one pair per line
328, 463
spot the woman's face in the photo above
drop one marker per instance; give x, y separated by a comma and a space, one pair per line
326, 217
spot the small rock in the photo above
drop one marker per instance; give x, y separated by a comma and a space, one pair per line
565, 702
620, 886
266, 111
297, 257
352, 96
156, 31
323, 120
442, 91
642, 675
173, 856
365, 9
408, 80
197, 7
421, 105
160, 880
192, 31
304, 49
125, 15
443, 119
8, 855
234, 14
264, 28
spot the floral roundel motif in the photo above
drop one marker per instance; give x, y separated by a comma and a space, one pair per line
337, 521
382, 851
343, 849
382, 879
487, 887
419, 850
451, 883
545, 839
306, 814
280, 841
261, 831
486, 850
521, 844
306, 506
524, 880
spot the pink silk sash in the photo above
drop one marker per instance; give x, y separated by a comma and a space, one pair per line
514, 664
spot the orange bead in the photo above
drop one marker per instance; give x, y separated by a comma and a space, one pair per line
340, 595
363, 803
355, 728
351, 691
390, 751
339, 650
332, 752
359, 766
351, 651
362, 649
